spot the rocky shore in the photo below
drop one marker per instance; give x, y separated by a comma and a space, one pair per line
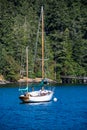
23, 80
2, 80
35, 80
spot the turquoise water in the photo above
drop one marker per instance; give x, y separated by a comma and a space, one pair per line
68, 113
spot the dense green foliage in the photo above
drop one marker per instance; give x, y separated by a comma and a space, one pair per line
65, 37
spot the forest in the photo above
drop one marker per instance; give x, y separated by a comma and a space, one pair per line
65, 37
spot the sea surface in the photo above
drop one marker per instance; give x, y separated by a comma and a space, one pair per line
69, 112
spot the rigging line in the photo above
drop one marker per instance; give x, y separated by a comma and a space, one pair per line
37, 40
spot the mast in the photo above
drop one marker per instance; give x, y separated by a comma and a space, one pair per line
27, 66
42, 43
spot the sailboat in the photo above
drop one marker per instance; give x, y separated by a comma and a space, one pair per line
42, 95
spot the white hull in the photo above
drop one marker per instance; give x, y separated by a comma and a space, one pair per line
37, 96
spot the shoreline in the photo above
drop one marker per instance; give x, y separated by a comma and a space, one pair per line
4, 82
24, 80
32, 80
35, 80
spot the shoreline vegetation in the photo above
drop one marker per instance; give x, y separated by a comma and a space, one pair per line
65, 38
